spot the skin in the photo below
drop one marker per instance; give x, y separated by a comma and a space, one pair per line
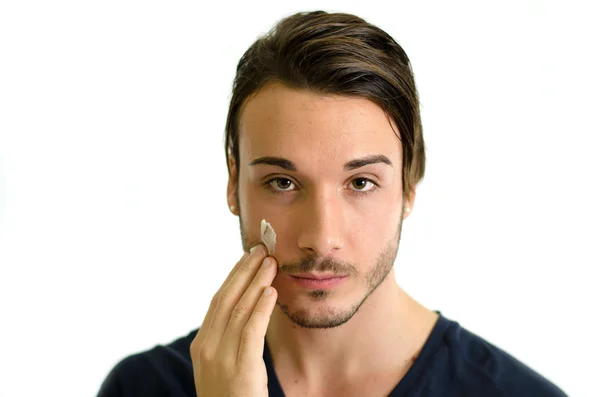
299, 170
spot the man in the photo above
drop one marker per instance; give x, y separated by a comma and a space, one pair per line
323, 141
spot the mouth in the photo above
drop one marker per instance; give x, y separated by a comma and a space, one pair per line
318, 280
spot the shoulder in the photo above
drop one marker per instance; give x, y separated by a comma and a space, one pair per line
160, 371
480, 365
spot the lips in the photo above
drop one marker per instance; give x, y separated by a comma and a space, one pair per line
317, 276
317, 281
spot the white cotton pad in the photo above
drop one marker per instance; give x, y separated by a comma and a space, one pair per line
268, 236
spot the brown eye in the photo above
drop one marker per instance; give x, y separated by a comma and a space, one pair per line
362, 184
281, 184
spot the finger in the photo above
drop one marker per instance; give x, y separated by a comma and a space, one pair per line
231, 293
252, 341
244, 308
213, 303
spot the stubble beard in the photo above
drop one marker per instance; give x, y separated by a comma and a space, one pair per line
334, 317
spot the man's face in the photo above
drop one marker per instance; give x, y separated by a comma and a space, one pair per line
326, 172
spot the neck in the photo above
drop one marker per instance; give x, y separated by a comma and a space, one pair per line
387, 331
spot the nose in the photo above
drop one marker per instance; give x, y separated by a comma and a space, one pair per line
322, 225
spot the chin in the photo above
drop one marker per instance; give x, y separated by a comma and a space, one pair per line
317, 308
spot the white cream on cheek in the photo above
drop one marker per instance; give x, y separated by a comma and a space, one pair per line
268, 236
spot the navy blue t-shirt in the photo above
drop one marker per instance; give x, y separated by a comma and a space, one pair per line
453, 363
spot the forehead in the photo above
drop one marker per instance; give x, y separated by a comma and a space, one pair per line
313, 128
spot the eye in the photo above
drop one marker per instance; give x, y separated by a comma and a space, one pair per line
281, 184
362, 184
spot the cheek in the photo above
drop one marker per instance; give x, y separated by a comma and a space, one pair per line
373, 225
254, 208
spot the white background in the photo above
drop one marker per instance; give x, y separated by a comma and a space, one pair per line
112, 169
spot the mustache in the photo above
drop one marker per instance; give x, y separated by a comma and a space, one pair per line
313, 264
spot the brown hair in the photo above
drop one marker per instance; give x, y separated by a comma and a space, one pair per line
334, 54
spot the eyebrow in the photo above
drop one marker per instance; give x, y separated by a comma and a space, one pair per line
361, 162
349, 166
276, 161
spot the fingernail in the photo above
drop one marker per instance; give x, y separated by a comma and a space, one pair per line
268, 291
253, 249
266, 262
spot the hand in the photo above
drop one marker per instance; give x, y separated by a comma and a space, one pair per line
227, 352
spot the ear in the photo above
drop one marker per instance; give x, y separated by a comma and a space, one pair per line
232, 187
409, 203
